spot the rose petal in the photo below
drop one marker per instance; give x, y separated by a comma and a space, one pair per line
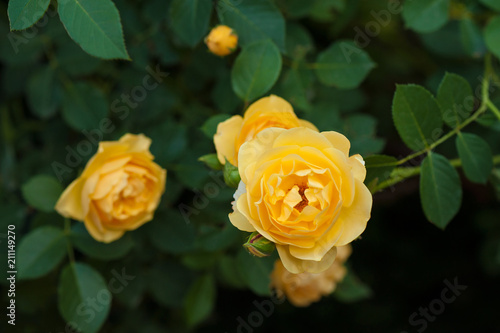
303, 137
338, 141
356, 216
358, 167
240, 221
97, 231
137, 143
70, 204
252, 151
305, 123
296, 266
225, 139
270, 103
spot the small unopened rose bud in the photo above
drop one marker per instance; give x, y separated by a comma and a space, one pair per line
222, 40
259, 246
211, 161
231, 175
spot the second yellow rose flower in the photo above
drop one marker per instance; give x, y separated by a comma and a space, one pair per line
271, 111
119, 189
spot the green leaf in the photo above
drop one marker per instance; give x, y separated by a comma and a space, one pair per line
209, 127
40, 251
379, 167
455, 99
89, 246
490, 120
255, 271
491, 34
440, 190
417, 116
296, 88
24, 13
211, 161
326, 11
190, 19
295, 8
426, 15
95, 25
82, 291
343, 65
219, 238
493, 4
445, 42
253, 20
170, 140
325, 116
44, 93
169, 283
476, 156
198, 261
223, 96
200, 300
352, 289
228, 272
171, 234
130, 291
84, 106
155, 10
361, 129
472, 38
298, 41
345, 100
74, 61
42, 192
255, 70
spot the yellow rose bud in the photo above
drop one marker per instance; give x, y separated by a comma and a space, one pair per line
118, 190
211, 161
259, 246
305, 288
221, 40
272, 111
302, 191
231, 175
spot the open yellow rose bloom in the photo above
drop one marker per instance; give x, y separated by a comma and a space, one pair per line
118, 190
272, 111
305, 288
301, 190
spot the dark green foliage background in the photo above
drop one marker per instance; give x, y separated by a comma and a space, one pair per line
189, 276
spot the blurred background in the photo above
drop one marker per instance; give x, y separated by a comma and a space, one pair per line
54, 95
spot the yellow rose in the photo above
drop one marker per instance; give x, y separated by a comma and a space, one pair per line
305, 288
118, 190
272, 111
221, 40
300, 189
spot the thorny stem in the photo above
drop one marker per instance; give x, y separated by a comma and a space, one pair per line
399, 174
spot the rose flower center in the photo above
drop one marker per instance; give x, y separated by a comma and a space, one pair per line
300, 206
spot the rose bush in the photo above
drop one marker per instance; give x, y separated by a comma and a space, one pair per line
118, 190
300, 189
76, 73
